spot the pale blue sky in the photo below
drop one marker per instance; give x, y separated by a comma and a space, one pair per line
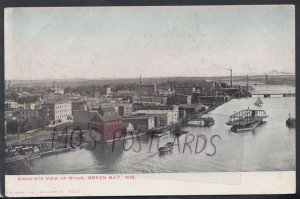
102, 42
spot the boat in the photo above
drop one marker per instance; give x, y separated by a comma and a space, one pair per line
196, 123
160, 134
258, 102
208, 121
203, 121
166, 148
154, 130
246, 120
291, 122
180, 132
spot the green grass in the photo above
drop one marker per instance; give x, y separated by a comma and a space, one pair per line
32, 131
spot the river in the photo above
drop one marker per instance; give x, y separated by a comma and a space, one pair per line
270, 147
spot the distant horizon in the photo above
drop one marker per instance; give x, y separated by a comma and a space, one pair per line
118, 78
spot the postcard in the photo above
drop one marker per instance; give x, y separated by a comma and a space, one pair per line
150, 100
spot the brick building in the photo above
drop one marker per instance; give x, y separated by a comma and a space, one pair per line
108, 123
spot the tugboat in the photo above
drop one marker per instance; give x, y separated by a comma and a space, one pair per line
258, 102
166, 148
291, 122
246, 120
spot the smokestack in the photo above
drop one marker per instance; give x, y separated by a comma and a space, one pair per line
247, 83
230, 78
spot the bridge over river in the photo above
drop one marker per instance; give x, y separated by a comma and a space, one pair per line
269, 93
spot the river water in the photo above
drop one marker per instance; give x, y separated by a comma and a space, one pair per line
270, 147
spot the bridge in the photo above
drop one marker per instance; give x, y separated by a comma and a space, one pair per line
246, 120
269, 93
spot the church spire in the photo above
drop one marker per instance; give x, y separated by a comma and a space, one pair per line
140, 79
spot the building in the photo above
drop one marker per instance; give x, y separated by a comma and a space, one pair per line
108, 123
166, 117
28, 114
82, 118
186, 90
124, 95
10, 105
187, 110
108, 91
157, 99
141, 122
145, 89
209, 100
57, 111
125, 110
78, 106
179, 99
32, 105
150, 106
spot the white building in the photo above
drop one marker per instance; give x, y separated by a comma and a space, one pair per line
166, 117
57, 111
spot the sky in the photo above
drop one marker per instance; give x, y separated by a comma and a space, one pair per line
158, 41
